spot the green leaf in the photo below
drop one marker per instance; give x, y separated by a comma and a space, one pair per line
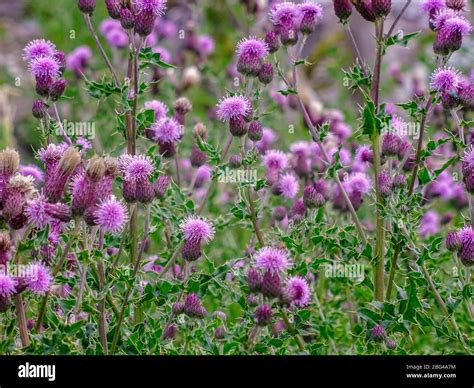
399, 38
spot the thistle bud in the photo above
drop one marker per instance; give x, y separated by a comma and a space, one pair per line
255, 131
57, 89
453, 242
200, 130
381, 8
272, 41
86, 6
263, 315
191, 250
342, 9
265, 74
113, 7
238, 126
127, 20
38, 109
254, 280
235, 161
271, 284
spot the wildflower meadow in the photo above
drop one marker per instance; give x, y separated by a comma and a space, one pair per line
236, 177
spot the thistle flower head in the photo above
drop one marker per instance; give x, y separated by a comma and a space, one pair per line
252, 48
111, 215
167, 130
36, 212
135, 167
311, 13
38, 48
272, 259
445, 79
359, 182
457, 25
233, 106
156, 7
288, 185
284, 14
297, 291
441, 16
44, 67
38, 278
7, 285
197, 229
275, 160
431, 6
160, 108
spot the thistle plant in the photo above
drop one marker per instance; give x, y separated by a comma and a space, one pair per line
229, 205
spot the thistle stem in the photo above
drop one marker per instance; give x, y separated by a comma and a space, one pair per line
101, 48
21, 316
380, 227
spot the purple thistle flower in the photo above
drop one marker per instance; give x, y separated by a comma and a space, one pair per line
205, 45
275, 160
160, 108
117, 38
170, 332
167, 130
33, 171
272, 259
263, 315
233, 106
297, 291
44, 68
39, 278
36, 212
7, 285
364, 154
135, 167
445, 79
111, 215
432, 6
250, 55
157, 7
311, 14
77, 59
285, 17
429, 223
359, 182
289, 185
197, 229
38, 48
